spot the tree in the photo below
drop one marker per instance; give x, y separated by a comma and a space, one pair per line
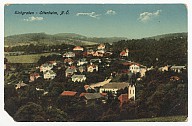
55, 115
109, 116
11, 105
29, 113
9, 91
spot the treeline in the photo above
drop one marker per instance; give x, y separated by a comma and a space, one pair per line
39, 48
153, 52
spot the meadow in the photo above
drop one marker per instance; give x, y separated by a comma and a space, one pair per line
30, 58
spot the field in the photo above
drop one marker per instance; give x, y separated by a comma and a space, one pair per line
32, 58
160, 119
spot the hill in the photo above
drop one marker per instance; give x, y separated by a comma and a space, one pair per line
67, 38
169, 36
159, 50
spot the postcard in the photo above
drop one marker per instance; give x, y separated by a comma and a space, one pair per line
96, 62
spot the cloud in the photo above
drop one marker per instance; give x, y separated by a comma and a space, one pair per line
34, 19
110, 12
146, 16
92, 14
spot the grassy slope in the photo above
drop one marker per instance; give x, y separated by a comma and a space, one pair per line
160, 119
33, 58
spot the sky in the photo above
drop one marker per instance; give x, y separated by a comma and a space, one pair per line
96, 20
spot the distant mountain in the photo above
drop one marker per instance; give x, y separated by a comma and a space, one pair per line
67, 38
169, 36
72, 38
70, 35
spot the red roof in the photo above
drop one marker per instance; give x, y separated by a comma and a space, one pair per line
86, 87
130, 63
125, 71
34, 74
123, 98
52, 62
82, 94
68, 60
103, 94
73, 67
78, 48
68, 93
123, 53
174, 78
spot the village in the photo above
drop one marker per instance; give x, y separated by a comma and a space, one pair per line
79, 63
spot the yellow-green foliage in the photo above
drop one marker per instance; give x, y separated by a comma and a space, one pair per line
32, 58
160, 119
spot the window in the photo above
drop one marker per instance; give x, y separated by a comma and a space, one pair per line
130, 91
133, 91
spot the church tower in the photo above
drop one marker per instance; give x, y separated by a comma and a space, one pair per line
131, 92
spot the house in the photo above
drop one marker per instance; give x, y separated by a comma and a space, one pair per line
68, 93
95, 60
108, 53
100, 84
19, 85
124, 53
89, 98
101, 51
101, 47
81, 62
92, 67
45, 67
86, 87
49, 74
174, 78
78, 78
33, 77
113, 87
98, 54
90, 52
151, 68
142, 71
69, 55
54, 63
68, 61
81, 69
164, 68
82, 94
134, 68
177, 68
78, 48
70, 71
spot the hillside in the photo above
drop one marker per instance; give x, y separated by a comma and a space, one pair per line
56, 39
168, 36
170, 49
